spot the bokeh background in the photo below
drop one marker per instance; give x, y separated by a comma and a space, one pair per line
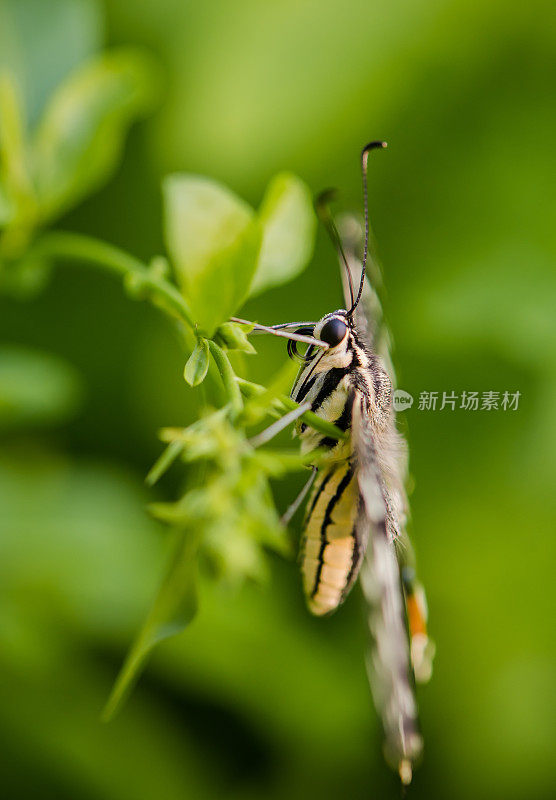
257, 699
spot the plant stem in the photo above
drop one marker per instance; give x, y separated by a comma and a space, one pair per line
75, 247
228, 377
250, 389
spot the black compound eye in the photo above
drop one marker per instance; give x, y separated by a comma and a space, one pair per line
333, 331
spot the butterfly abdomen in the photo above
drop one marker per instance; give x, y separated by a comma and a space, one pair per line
330, 555
331, 552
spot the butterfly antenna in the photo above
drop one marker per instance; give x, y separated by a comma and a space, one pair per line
322, 205
364, 159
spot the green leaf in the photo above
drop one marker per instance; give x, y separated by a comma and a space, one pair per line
197, 364
13, 167
234, 337
213, 238
289, 225
278, 463
79, 140
264, 400
235, 555
15, 180
42, 42
173, 609
228, 376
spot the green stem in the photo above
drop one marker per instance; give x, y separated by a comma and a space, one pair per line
75, 247
250, 389
228, 377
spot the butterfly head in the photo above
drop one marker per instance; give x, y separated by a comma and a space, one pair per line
335, 330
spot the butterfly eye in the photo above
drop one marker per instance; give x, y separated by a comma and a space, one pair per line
333, 331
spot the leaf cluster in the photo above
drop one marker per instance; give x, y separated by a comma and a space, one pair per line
48, 168
219, 251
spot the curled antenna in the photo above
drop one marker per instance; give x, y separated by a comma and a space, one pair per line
322, 205
364, 159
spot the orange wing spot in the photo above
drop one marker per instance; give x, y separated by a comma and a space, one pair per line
422, 649
415, 616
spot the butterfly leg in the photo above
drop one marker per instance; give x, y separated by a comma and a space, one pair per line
273, 430
292, 508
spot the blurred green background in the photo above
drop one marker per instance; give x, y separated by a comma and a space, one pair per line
258, 699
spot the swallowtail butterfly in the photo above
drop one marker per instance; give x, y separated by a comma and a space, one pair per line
355, 519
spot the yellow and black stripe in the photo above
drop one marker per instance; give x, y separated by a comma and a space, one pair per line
331, 552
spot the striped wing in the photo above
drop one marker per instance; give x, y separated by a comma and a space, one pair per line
389, 663
395, 655
393, 462
373, 330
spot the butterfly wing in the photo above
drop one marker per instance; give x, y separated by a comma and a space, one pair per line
387, 571
389, 664
374, 332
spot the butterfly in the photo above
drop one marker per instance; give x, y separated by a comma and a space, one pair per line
355, 519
